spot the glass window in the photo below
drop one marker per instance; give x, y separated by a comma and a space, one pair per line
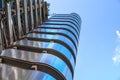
50, 45
8, 72
57, 63
58, 31
57, 37
33, 1
64, 23
68, 16
53, 33
46, 58
66, 19
76, 15
62, 26
71, 15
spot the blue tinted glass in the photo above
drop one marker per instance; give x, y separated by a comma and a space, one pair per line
33, 1
57, 37
64, 23
2, 6
37, 75
46, 58
57, 63
69, 16
76, 15
14, 73
11, 5
50, 45
27, 2
63, 19
58, 31
62, 26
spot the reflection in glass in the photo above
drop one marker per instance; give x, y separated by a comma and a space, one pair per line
65, 20
64, 23
68, 16
56, 37
46, 58
58, 31
62, 26
14, 73
50, 45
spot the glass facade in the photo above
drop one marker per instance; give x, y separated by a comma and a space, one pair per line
47, 52
49, 45
65, 20
64, 27
71, 18
60, 23
61, 26
45, 58
56, 37
57, 31
8, 72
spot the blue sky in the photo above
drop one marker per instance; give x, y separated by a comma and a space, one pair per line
99, 50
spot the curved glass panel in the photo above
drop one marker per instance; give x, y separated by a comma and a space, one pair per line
64, 23
51, 45
66, 19
57, 37
46, 58
57, 31
61, 26
64, 27
75, 14
8, 72
71, 16
57, 63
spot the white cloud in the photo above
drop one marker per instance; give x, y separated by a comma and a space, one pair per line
118, 34
116, 57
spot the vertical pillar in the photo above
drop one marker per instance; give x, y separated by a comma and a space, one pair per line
1, 33
36, 13
43, 10
25, 15
40, 11
31, 14
9, 27
46, 10
20, 32
3, 38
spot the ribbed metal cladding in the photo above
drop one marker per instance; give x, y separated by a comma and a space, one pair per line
48, 52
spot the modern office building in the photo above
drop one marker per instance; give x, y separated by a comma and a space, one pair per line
42, 48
